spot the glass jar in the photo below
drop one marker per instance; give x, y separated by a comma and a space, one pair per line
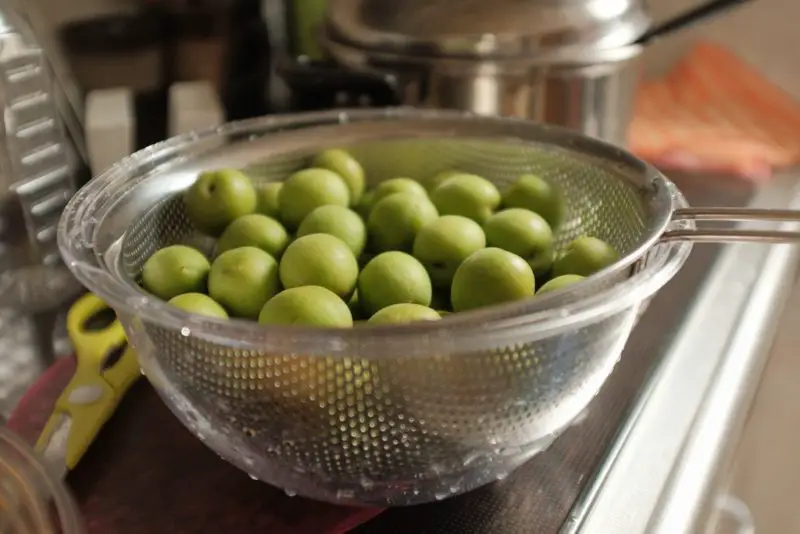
32, 501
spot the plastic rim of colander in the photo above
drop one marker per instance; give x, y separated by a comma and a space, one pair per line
473, 330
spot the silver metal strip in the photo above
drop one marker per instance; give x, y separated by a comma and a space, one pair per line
659, 472
719, 423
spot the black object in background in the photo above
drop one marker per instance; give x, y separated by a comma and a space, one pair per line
124, 50
117, 50
245, 87
318, 85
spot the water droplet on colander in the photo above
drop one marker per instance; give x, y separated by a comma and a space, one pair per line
492, 440
252, 477
136, 302
367, 483
345, 494
455, 488
441, 495
290, 493
299, 469
437, 469
501, 476
471, 457
185, 332
508, 451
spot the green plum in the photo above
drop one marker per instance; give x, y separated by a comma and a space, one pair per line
306, 305
559, 282
217, 198
444, 244
491, 276
404, 313
437, 179
519, 231
467, 195
337, 221
174, 270
397, 185
364, 206
393, 278
585, 256
395, 220
306, 190
243, 279
320, 260
199, 304
346, 166
533, 193
255, 230
267, 195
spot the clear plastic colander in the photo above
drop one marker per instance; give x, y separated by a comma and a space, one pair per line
381, 415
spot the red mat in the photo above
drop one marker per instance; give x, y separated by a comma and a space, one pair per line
146, 473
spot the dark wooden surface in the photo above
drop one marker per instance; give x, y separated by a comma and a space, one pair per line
146, 473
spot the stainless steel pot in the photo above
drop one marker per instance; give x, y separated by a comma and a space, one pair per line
590, 92
566, 62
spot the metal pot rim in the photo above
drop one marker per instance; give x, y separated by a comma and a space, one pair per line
566, 57
518, 29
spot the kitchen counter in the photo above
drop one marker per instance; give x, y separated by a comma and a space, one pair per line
665, 465
670, 459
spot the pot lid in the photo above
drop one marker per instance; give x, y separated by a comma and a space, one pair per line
485, 28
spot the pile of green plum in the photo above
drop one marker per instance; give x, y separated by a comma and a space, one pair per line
319, 249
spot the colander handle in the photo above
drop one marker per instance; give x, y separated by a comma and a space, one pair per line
726, 235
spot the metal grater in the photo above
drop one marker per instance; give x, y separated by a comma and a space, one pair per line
37, 162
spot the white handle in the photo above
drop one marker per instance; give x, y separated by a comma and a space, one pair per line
738, 512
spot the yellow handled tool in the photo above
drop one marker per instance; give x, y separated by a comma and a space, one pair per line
106, 368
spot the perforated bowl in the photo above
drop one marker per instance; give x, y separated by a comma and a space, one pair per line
380, 415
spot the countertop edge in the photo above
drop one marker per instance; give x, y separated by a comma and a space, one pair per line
661, 468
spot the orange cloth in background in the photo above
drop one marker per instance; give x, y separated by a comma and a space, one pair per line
713, 112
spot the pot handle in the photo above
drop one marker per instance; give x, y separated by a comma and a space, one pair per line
727, 235
317, 85
687, 18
